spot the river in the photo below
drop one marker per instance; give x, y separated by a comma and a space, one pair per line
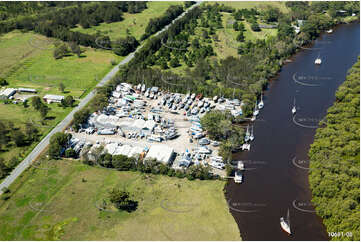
277, 174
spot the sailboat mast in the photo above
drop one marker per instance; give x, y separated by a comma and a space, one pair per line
288, 218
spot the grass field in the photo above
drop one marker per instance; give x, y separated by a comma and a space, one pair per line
55, 204
135, 23
256, 4
28, 62
19, 116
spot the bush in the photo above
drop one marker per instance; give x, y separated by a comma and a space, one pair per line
5, 190
3, 82
70, 153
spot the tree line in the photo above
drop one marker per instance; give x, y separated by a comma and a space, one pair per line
156, 24
335, 161
11, 137
59, 22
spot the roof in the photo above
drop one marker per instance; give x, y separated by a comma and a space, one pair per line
53, 97
8, 92
162, 153
149, 124
139, 124
22, 89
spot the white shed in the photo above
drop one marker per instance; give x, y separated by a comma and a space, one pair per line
162, 153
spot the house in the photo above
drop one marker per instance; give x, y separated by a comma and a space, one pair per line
8, 93
49, 98
161, 153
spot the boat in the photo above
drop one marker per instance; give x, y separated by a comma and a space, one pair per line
238, 177
246, 137
285, 223
251, 137
240, 165
294, 110
318, 61
256, 111
329, 31
246, 146
261, 104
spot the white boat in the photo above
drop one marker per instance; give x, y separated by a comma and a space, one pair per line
329, 31
318, 60
294, 110
261, 104
246, 147
238, 177
246, 137
240, 165
285, 223
251, 137
256, 111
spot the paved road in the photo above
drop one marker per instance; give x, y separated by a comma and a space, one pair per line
66, 122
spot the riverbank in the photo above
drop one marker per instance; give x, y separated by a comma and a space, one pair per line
274, 183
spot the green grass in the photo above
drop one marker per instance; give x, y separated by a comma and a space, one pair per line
34, 66
256, 4
27, 61
135, 23
19, 116
71, 213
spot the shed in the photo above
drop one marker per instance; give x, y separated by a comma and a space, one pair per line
162, 153
154, 89
8, 92
49, 98
139, 124
31, 90
149, 125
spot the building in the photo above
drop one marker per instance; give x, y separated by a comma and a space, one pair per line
154, 90
22, 89
49, 98
161, 153
8, 93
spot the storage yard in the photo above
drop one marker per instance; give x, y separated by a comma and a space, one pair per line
152, 124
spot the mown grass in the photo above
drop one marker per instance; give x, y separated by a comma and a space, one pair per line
19, 116
168, 208
135, 23
256, 4
32, 65
26, 60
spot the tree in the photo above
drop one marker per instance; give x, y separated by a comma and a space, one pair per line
235, 26
36, 102
3, 81
18, 137
174, 62
58, 142
70, 153
68, 101
44, 109
240, 37
255, 27
31, 132
60, 51
4, 171
61, 87
75, 48
25, 103
121, 200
